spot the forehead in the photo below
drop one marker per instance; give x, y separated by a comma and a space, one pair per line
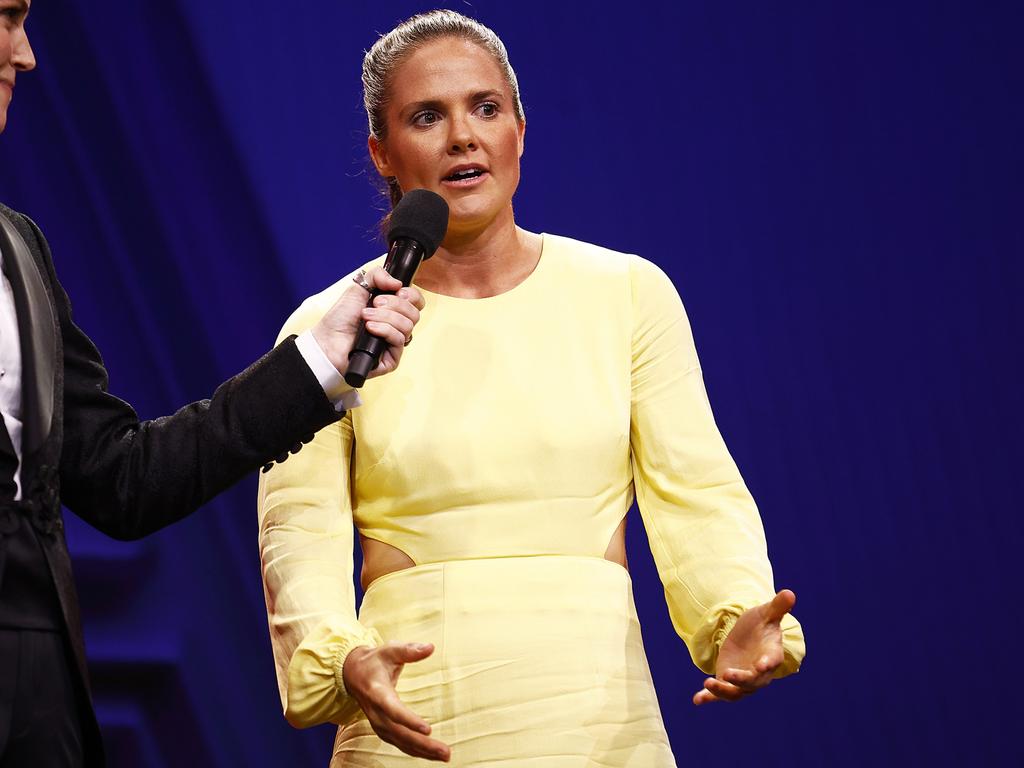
449, 67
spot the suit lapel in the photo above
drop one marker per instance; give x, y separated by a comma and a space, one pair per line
37, 332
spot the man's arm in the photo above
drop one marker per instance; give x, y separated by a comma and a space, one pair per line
129, 478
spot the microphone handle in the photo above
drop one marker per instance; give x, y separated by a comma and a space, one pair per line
403, 260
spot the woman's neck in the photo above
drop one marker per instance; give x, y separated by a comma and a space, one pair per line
482, 263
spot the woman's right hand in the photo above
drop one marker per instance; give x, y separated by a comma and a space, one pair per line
370, 676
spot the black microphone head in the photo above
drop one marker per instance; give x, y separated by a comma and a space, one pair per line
420, 215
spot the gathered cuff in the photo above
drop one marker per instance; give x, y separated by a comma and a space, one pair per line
371, 640
793, 646
316, 688
712, 629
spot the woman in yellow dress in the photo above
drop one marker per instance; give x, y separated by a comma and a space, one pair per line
490, 476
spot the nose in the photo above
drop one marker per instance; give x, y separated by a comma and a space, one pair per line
22, 56
460, 135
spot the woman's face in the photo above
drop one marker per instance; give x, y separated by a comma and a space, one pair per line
451, 127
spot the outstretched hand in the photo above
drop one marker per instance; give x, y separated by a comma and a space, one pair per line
391, 317
750, 654
370, 676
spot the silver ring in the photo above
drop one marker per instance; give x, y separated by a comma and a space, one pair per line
359, 278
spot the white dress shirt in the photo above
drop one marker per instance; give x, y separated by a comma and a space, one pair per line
10, 373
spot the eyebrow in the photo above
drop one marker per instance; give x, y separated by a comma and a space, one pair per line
490, 94
21, 6
416, 106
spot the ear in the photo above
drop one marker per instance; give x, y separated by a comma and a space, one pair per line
379, 155
522, 137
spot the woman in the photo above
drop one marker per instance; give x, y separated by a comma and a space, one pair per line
489, 477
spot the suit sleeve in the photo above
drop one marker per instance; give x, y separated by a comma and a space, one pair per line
306, 542
703, 526
129, 478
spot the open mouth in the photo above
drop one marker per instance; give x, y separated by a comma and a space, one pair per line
463, 175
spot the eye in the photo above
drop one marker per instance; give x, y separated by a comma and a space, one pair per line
487, 109
425, 118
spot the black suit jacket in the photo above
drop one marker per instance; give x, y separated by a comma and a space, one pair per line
86, 449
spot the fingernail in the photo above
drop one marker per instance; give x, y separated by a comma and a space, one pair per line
380, 301
421, 646
370, 312
403, 293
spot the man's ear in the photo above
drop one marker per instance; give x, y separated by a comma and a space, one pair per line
379, 155
522, 137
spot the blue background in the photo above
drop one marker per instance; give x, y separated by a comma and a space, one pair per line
836, 190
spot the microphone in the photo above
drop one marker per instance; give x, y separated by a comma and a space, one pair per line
418, 225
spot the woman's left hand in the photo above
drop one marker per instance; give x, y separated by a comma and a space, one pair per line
750, 654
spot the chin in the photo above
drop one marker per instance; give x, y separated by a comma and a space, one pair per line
464, 214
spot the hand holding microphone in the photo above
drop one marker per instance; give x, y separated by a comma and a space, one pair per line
418, 225
364, 337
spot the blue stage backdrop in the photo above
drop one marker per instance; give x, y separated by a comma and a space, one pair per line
836, 190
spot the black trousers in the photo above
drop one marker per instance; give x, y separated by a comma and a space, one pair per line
39, 701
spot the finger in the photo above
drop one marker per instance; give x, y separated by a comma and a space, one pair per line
398, 304
769, 662
404, 653
393, 710
393, 317
398, 322
707, 694
382, 281
386, 331
746, 680
722, 690
412, 294
780, 605
388, 362
413, 743
703, 697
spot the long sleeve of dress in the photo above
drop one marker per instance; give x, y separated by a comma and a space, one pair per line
306, 541
703, 526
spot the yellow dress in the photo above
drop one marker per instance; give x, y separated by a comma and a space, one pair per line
501, 457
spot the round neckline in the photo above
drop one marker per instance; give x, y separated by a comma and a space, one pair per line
519, 287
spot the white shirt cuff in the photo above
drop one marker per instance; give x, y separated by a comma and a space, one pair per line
338, 392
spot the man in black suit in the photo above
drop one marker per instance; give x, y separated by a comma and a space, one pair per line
65, 439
